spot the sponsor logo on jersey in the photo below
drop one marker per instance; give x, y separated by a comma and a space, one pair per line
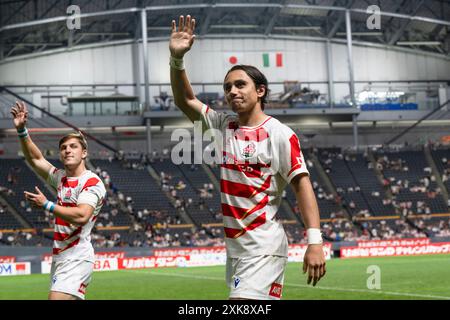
275, 290
249, 150
54, 279
236, 282
82, 288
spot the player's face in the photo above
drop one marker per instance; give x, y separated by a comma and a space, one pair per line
240, 91
72, 153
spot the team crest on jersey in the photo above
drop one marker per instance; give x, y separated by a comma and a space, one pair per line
249, 150
68, 194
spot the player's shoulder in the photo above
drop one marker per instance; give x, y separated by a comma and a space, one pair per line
91, 178
277, 128
226, 119
57, 172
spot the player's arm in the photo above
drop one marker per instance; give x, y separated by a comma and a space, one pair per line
78, 215
31, 152
181, 41
314, 260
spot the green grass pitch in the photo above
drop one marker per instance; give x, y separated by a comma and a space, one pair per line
413, 277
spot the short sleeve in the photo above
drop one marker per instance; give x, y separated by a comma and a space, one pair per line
92, 193
291, 160
212, 119
54, 176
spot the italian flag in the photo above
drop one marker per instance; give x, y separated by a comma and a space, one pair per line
272, 59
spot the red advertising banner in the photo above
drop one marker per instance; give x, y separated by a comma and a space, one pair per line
98, 255
109, 255
7, 259
188, 251
152, 262
394, 242
391, 251
297, 252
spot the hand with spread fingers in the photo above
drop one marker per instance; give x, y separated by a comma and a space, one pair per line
20, 114
314, 263
181, 39
36, 199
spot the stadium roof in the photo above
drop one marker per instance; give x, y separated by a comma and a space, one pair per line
33, 26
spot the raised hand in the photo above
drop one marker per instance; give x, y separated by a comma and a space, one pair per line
37, 199
20, 114
181, 39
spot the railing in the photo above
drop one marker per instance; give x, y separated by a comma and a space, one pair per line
56, 99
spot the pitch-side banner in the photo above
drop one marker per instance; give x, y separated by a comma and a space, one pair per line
394, 242
296, 252
15, 269
395, 250
7, 259
184, 257
109, 264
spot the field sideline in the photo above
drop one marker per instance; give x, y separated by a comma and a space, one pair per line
413, 277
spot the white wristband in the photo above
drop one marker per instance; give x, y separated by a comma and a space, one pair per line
176, 63
49, 206
314, 236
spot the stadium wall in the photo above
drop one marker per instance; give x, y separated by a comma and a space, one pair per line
303, 61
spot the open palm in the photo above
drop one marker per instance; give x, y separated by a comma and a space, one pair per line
20, 114
181, 39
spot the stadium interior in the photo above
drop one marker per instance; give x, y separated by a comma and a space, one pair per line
370, 106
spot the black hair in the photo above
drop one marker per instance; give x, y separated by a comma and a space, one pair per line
257, 76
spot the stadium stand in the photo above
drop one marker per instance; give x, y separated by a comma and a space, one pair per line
150, 214
411, 181
187, 197
21, 178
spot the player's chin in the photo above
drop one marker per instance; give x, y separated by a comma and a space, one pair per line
71, 162
238, 108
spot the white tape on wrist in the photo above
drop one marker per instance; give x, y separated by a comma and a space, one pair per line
49, 206
176, 63
314, 236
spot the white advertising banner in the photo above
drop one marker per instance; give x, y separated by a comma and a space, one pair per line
15, 269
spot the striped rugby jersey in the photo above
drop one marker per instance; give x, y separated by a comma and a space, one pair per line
258, 162
71, 241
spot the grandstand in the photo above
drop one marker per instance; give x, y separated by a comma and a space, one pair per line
374, 136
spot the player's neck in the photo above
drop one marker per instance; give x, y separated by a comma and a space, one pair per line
76, 171
252, 118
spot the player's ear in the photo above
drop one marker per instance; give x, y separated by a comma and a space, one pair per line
261, 90
84, 154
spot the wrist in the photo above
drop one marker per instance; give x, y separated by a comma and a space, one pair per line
49, 206
314, 236
22, 132
176, 63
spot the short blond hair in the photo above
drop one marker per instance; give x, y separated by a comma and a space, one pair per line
77, 135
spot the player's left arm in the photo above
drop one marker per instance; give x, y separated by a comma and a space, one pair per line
314, 260
78, 215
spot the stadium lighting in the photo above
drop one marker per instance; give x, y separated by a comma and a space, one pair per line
419, 43
369, 34
234, 26
298, 28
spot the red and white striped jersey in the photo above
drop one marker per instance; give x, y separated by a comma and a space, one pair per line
71, 241
258, 162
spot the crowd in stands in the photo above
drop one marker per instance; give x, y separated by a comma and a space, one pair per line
156, 228
434, 228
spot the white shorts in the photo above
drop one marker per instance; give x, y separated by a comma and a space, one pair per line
258, 277
71, 276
